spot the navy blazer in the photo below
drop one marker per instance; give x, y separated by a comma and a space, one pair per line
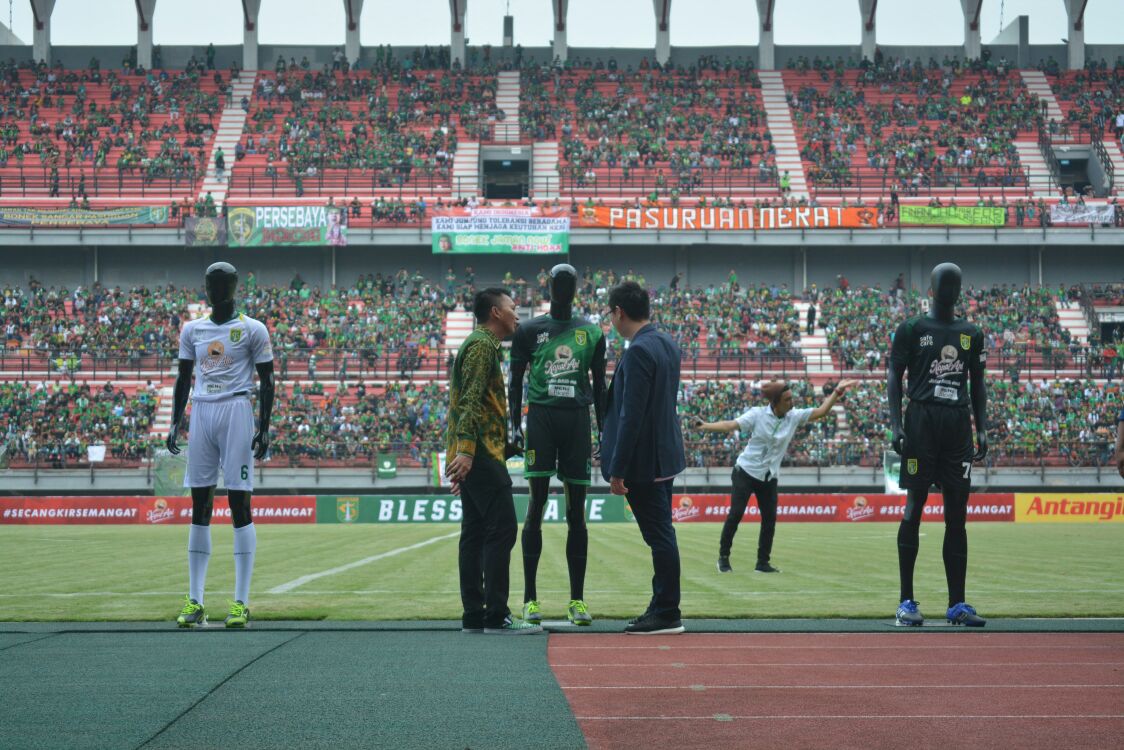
641, 440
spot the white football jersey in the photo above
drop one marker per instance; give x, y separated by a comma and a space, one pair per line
224, 355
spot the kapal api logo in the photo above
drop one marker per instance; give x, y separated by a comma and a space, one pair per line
563, 362
685, 509
161, 512
860, 509
949, 364
215, 357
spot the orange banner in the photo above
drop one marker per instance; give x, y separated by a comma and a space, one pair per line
726, 219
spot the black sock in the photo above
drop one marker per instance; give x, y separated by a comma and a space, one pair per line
577, 545
956, 563
908, 543
532, 550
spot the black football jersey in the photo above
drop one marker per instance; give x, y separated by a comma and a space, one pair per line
938, 358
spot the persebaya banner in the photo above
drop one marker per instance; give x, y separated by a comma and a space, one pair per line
208, 231
500, 230
727, 219
448, 509
954, 216
77, 217
293, 226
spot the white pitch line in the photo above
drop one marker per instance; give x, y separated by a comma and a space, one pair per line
849, 717
286, 587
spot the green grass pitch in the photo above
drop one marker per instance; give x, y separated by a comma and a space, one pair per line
829, 570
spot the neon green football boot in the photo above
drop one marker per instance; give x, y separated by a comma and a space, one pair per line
239, 615
192, 614
579, 613
532, 612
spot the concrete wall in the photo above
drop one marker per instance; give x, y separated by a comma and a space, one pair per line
700, 264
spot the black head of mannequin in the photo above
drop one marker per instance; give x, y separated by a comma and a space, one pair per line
563, 286
945, 284
221, 282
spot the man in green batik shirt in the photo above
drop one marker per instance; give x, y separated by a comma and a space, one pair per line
476, 442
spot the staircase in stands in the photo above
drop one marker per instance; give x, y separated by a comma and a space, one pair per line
466, 171
1116, 156
779, 119
814, 347
227, 137
1037, 85
1072, 317
507, 99
544, 170
1041, 181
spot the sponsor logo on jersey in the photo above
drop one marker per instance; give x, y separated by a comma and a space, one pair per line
562, 363
236, 335
215, 357
927, 340
911, 465
542, 338
949, 364
965, 341
581, 338
347, 509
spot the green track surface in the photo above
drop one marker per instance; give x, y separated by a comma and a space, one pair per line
86, 573
270, 689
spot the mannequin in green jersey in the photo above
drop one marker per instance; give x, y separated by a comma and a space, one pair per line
564, 358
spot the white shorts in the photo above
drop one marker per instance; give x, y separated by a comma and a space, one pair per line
221, 433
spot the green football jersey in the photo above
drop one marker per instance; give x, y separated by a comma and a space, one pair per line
559, 355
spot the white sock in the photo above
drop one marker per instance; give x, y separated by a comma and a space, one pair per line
198, 555
245, 544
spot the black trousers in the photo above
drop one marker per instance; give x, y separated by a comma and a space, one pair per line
651, 506
766, 492
488, 531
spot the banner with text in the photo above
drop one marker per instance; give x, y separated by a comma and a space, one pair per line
448, 509
727, 219
78, 217
1090, 213
205, 231
843, 508
293, 226
953, 216
500, 230
1072, 507
146, 510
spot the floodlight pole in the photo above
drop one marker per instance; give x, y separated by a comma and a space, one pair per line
250, 9
354, 10
766, 50
662, 9
560, 8
145, 9
1075, 32
458, 9
41, 44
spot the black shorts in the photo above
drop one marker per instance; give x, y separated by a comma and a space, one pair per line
938, 447
558, 442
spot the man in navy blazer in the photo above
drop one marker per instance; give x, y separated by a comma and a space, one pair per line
642, 446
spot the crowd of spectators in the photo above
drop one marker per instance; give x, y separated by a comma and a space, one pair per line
53, 424
665, 129
152, 124
916, 125
860, 321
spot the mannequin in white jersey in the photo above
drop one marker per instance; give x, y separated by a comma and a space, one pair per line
222, 351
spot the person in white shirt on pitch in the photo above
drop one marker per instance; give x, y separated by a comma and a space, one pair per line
223, 350
770, 429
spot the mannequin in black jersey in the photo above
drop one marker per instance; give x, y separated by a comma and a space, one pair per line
563, 354
221, 284
936, 439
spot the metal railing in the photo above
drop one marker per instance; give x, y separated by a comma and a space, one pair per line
36, 181
1046, 147
337, 182
1096, 140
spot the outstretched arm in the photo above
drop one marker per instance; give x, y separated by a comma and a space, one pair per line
179, 402
824, 409
728, 425
265, 409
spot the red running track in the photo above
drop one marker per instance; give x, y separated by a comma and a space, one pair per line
849, 690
